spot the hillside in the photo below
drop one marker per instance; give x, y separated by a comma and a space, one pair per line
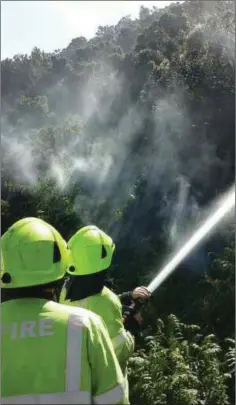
134, 131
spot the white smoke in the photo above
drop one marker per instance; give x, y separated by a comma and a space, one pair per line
98, 155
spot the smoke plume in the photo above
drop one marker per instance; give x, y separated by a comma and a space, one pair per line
107, 149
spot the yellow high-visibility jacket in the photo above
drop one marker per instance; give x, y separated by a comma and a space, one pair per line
107, 305
52, 353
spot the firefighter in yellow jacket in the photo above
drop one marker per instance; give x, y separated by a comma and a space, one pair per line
50, 353
91, 255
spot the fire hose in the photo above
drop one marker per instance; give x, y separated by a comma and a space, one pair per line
223, 208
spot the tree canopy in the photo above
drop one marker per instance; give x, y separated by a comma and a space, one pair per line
134, 131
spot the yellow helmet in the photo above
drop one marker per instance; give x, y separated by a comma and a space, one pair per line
32, 253
91, 251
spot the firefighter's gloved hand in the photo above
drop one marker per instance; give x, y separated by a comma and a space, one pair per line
141, 293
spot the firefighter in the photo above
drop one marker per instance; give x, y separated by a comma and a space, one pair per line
51, 353
91, 255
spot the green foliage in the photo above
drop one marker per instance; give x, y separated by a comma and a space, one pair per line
217, 303
178, 366
56, 208
230, 355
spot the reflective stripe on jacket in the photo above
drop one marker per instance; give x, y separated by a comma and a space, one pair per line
57, 354
108, 306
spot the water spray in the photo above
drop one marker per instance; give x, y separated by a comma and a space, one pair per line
202, 232
209, 224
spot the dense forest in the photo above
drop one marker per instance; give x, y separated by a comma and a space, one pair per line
134, 131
